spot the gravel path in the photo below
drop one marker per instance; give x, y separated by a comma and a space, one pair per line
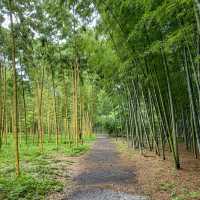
103, 175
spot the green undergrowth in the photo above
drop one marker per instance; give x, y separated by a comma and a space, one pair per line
27, 187
41, 172
186, 195
183, 194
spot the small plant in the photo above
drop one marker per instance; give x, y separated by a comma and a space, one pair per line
178, 198
167, 186
28, 187
194, 195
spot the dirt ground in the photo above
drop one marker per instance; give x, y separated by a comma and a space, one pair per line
104, 174
159, 180
112, 171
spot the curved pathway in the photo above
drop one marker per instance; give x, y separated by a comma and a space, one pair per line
103, 174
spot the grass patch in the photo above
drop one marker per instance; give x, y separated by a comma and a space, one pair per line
41, 172
167, 186
187, 195
76, 150
27, 187
89, 138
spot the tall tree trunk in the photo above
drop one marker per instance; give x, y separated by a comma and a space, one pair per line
66, 123
24, 105
55, 109
192, 103
197, 13
5, 126
1, 103
173, 124
15, 106
40, 102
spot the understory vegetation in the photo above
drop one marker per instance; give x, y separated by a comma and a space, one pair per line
42, 173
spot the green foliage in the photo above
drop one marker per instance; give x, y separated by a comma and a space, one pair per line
76, 150
187, 195
89, 138
40, 171
167, 186
27, 187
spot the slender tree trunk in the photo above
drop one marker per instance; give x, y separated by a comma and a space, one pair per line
5, 107
194, 121
1, 103
66, 122
40, 101
173, 125
15, 109
55, 109
197, 13
24, 105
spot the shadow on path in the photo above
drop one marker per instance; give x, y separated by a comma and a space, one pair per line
104, 175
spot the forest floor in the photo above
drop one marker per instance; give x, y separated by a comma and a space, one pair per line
158, 178
103, 174
41, 172
112, 171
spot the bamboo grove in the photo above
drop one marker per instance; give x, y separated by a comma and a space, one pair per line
46, 94
134, 70
157, 86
